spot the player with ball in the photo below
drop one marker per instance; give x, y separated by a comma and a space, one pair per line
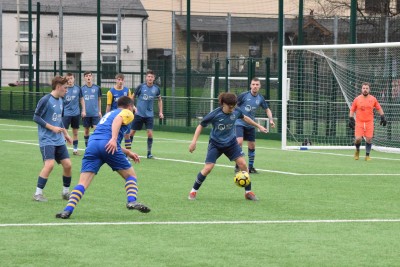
223, 141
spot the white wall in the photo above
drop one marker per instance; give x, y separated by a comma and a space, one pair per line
80, 36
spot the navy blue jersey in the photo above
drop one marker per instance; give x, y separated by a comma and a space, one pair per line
71, 101
145, 99
103, 129
49, 110
248, 104
91, 96
223, 130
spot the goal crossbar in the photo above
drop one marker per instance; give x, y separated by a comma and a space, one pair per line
324, 80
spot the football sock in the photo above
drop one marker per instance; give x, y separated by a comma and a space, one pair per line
131, 137
128, 143
39, 191
368, 147
66, 181
41, 183
252, 155
131, 188
248, 188
65, 190
358, 147
149, 145
199, 180
75, 145
76, 195
86, 137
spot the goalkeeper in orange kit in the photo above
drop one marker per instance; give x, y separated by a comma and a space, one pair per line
363, 106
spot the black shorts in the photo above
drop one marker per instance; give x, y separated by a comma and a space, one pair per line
89, 122
137, 123
71, 120
248, 133
58, 153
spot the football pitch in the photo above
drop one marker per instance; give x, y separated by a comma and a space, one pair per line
316, 208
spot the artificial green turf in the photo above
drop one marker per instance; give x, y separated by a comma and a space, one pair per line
305, 196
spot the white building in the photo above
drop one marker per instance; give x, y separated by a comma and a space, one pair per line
69, 34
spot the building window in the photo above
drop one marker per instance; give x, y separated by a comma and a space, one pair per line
377, 6
23, 30
24, 67
215, 42
108, 66
109, 32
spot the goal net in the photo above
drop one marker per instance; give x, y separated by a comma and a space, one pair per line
235, 85
324, 82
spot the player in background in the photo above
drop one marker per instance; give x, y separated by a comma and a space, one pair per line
72, 113
145, 95
363, 106
222, 140
105, 147
113, 95
248, 102
52, 136
92, 96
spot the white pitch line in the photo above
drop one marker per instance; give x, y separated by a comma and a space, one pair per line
261, 170
20, 142
206, 142
18, 126
177, 160
337, 154
203, 222
223, 165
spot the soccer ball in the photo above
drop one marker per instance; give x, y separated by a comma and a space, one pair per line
242, 179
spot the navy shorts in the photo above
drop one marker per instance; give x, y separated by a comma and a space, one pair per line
232, 151
95, 156
248, 133
71, 120
89, 122
58, 153
138, 121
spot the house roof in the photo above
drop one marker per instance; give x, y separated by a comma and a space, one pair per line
311, 22
268, 25
129, 8
238, 24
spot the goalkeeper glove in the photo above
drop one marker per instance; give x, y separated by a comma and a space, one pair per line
383, 121
352, 123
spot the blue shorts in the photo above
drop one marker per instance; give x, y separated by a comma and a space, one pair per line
232, 151
96, 155
248, 133
57, 153
89, 122
71, 120
138, 121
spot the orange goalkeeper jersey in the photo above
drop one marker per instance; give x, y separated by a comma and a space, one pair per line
364, 107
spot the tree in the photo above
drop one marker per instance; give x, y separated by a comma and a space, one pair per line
371, 16
329, 8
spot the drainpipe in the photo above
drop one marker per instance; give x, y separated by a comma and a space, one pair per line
143, 37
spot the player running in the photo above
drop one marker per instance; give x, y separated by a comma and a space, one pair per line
104, 146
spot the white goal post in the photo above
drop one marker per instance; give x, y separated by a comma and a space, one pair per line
324, 80
236, 85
